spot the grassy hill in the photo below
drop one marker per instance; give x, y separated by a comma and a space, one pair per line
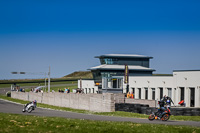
78, 74
71, 77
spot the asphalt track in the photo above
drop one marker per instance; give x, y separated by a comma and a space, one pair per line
9, 107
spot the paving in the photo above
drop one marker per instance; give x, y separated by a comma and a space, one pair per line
14, 108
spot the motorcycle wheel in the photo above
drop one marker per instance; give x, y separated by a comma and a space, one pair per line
30, 109
165, 117
151, 117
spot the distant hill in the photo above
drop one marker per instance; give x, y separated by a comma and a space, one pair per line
78, 74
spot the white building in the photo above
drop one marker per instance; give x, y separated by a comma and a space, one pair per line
183, 85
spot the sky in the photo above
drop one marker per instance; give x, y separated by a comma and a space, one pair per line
67, 34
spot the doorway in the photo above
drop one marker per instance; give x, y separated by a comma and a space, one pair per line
153, 94
161, 93
146, 93
139, 93
192, 97
182, 93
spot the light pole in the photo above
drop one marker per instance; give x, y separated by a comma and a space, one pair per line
49, 80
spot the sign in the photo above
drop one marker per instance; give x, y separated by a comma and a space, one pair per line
126, 74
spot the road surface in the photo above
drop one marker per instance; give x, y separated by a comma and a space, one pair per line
9, 107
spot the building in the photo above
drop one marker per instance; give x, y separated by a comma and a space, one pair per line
109, 75
109, 78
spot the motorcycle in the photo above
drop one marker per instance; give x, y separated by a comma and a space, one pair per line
164, 117
29, 107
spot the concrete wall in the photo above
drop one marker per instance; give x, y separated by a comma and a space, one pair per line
92, 102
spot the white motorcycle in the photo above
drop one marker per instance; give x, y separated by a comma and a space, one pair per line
29, 107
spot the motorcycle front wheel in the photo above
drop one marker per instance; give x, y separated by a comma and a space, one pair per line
165, 117
151, 117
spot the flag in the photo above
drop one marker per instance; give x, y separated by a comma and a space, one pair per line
126, 74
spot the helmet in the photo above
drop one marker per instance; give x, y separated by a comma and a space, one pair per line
35, 101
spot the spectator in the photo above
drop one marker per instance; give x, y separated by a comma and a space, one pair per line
66, 90
128, 95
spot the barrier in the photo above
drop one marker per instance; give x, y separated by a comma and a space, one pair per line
145, 109
93, 102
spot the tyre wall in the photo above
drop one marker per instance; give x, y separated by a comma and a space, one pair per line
145, 109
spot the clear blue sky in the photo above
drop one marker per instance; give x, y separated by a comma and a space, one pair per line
66, 35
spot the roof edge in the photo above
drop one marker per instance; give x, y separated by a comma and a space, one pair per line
124, 56
184, 70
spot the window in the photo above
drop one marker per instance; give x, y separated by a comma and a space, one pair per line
153, 94
169, 92
108, 61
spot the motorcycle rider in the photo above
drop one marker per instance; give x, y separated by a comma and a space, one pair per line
162, 108
168, 102
33, 102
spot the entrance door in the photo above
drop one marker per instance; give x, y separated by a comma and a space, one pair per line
182, 93
133, 90
114, 83
139, 90
161, 93
192, 97
146, 93
153, 94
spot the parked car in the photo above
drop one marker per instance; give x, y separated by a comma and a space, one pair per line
39, 88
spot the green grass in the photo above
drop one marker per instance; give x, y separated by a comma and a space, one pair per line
22, 124
59, 85
117, 113
37, 84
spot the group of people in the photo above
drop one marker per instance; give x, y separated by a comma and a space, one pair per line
130, 95
66, 90
20, 90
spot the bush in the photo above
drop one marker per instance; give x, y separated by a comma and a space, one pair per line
8, 94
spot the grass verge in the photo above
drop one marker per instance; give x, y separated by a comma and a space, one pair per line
117, 113
20, 123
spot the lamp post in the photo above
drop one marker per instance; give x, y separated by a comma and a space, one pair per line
49, 80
